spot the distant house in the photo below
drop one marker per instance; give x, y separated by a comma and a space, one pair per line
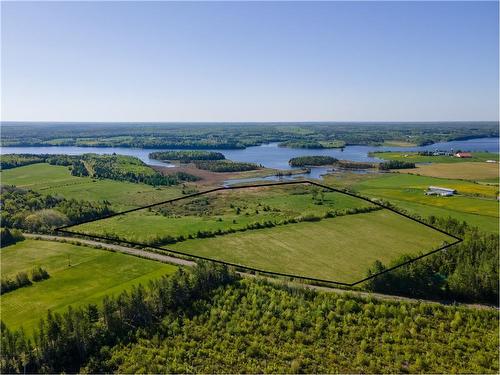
463, 155
441, 191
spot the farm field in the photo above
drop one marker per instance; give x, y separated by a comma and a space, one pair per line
326, 249
224, 210
311, 233
478, 206
467, 171
93, 274
57, 180
416, 158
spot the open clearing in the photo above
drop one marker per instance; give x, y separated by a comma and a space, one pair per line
467, 171
302, 230
477, 204
57, 180
328, 249
93, 274
416, 158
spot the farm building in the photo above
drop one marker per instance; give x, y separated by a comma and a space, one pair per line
436, 190
463, 155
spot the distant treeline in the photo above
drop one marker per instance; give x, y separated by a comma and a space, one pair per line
237, 136
33, 212
225, 166
396, 164
306, 161
467, 271
187, 156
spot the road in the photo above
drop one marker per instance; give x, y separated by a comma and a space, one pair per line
188, 263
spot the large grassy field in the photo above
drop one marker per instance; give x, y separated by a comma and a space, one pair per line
467, 171
416, 158
222, 210
476, 203
57, 180
339, 249
93, 274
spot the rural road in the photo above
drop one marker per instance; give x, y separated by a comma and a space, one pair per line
183, 262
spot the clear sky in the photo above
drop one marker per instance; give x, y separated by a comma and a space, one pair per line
253, 61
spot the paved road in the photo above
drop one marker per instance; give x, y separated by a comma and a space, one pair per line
184, 262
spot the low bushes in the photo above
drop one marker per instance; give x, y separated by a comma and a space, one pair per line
21, 279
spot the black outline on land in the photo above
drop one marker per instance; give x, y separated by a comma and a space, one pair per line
63, 229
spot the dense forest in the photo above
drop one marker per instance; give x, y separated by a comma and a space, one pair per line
467, 271
206, 320
306, 161
28, 210
234, 136
187, 156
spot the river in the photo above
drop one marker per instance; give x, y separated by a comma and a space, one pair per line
269, 155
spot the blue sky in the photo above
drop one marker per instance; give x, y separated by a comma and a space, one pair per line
252, 61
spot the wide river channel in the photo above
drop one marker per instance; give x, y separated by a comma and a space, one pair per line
269, 155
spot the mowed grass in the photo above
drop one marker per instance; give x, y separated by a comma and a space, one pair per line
467, 171
92, 275
337, 249
476, 203
57, 180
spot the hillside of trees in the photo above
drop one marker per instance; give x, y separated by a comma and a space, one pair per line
307, 161
206, 320
31, 211
187, 156
467, 271
238, 135
114, 167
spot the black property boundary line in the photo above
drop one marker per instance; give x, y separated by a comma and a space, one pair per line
63, 229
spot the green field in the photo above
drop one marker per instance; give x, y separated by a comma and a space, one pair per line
475, 203
222, 210
340, 248
57, 180
468, 171
93, 274
326, 250
416, 158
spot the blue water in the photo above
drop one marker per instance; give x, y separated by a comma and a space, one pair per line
269, 155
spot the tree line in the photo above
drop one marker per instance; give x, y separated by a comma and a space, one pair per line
396, 164
225, 166
187, 156
238, 136
306, 161
21, 279
467, 271
31, 211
